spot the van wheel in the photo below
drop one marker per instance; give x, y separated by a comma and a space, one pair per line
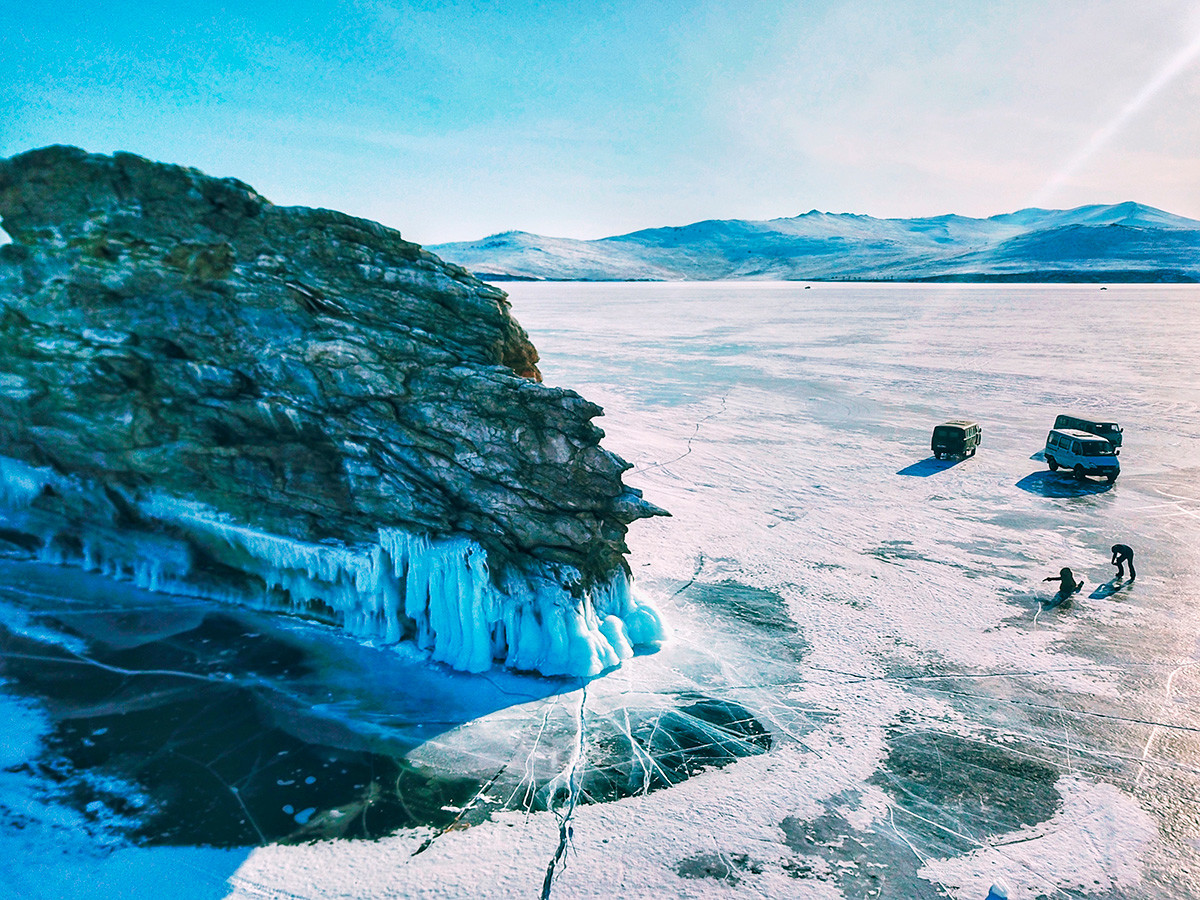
1080, 475
1111, 478
937, 456
1052, 463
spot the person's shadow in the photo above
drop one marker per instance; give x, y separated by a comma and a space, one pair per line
1059, 601
1061, 484
1109, 588
930, 466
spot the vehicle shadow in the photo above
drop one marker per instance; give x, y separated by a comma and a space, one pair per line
1061, 484
930, 466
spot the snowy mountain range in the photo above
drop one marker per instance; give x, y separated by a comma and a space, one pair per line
1121, 242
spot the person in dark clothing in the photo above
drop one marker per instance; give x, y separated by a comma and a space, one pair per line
1067, 583
1122, 554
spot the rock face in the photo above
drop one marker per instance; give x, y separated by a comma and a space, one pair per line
296, 407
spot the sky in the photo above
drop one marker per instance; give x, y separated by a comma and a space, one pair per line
457, 119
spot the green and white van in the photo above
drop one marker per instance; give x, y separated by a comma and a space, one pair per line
1110, 431
958, 437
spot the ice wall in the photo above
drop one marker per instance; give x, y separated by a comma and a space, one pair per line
438, 593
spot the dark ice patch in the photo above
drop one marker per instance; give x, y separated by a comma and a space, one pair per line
761, 610
727, 868
179, 726
155, 742
948, 796
218, 643
967, 789
895, 551
864, 864
637, 751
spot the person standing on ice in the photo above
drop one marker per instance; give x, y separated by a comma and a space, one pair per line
1122, 554
1068, 585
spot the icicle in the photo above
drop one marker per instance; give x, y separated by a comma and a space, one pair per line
643, 625
439, 592
618, 636
20, 483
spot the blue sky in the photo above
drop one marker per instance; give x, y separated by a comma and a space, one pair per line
452, 120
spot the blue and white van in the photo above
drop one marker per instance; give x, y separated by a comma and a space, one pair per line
1081, 452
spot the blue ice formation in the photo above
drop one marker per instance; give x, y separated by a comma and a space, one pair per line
437, 592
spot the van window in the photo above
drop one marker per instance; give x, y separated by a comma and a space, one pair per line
1098, 448
1075, 448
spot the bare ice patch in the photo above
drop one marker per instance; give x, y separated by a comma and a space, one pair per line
1093, 845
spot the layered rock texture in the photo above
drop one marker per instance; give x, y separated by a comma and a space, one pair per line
216, 395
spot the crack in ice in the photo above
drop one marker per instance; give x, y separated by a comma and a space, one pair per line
565, 832
1154, 731
466, 808
1133, 720
688, 449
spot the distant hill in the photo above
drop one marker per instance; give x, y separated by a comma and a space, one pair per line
1121, 242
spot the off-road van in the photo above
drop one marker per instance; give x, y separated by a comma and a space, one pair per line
1082, 452
956, 438
1110, 431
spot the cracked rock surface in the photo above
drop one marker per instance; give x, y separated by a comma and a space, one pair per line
304, 372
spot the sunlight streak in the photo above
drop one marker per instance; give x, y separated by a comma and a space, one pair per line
1167, 74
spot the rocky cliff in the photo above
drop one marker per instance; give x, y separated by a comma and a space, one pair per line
289, 406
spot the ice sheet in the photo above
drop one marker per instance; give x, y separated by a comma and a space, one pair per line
929, 725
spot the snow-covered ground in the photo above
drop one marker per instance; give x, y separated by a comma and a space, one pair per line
864, 694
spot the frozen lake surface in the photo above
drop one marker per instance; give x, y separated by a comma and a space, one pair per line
865, 694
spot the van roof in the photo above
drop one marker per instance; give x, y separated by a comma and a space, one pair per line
961, 423
1077, 434
1090, 421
